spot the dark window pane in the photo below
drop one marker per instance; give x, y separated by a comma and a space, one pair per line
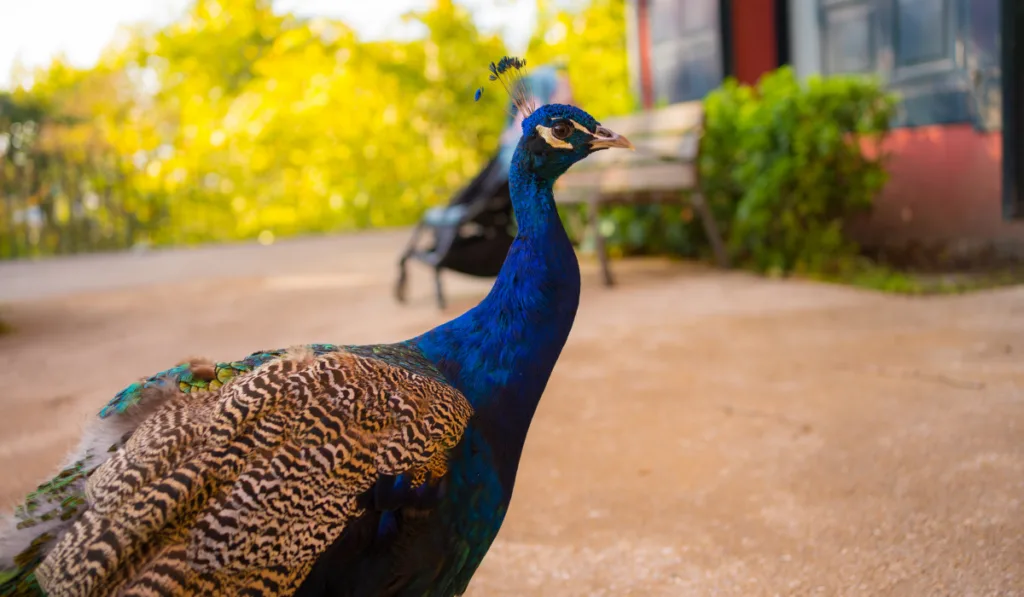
686, 52
848, 40
921, 31
985, 31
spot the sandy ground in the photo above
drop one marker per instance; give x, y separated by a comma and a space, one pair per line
703, 434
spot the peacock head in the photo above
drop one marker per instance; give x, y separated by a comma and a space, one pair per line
556, 136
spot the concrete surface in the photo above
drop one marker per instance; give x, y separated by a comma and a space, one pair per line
703, 434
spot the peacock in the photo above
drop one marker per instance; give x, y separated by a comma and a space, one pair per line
324, 469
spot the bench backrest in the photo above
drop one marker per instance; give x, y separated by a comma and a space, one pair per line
667, 143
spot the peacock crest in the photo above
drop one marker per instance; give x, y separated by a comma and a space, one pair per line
510, 71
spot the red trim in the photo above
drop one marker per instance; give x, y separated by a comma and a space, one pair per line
644, 41
755, 47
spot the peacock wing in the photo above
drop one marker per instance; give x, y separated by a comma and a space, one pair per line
55, 505
237, 490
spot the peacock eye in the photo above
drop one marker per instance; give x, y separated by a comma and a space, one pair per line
561, 130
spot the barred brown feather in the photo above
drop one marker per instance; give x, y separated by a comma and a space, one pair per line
237, 491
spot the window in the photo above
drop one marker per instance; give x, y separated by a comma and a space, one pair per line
848, 38
922, 31
686, 49
938, 55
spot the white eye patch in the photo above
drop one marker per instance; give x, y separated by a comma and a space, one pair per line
553, 141
580, 127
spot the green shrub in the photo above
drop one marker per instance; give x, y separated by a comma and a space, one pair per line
784, 167
645, 229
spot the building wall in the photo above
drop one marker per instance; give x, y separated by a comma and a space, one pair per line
945, 188
683, 44
941, 56
944, 194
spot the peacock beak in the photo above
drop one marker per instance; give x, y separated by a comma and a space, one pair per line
605, 139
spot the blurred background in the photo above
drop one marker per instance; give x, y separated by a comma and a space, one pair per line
168, 123
213, 177
177, 122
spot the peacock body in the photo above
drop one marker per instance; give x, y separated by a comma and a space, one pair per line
356, 471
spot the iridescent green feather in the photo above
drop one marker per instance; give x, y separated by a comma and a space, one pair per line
61, 497
403, 354
188, 382
21, 581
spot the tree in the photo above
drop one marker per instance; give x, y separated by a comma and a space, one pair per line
239, 122
590, 41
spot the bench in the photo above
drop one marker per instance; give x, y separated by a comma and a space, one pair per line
663, 169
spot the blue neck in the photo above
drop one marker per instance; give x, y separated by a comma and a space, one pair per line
500, 354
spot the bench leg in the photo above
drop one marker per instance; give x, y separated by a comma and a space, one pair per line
439, 289
401, 283
599, 246
711, 229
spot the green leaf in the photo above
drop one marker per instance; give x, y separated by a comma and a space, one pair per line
784, 169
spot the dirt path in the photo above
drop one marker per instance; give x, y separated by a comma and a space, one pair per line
704, 433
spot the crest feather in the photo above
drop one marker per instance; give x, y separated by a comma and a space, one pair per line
509, 71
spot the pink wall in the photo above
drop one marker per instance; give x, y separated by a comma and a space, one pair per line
945, 189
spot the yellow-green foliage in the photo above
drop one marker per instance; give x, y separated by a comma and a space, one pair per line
591, 44
238, 122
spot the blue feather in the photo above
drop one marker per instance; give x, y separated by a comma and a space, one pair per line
429, 540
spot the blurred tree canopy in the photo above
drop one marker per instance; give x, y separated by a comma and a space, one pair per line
239, 122
590, 41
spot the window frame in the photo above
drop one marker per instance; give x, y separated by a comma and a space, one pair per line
825, 9
933, 92
947, 60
